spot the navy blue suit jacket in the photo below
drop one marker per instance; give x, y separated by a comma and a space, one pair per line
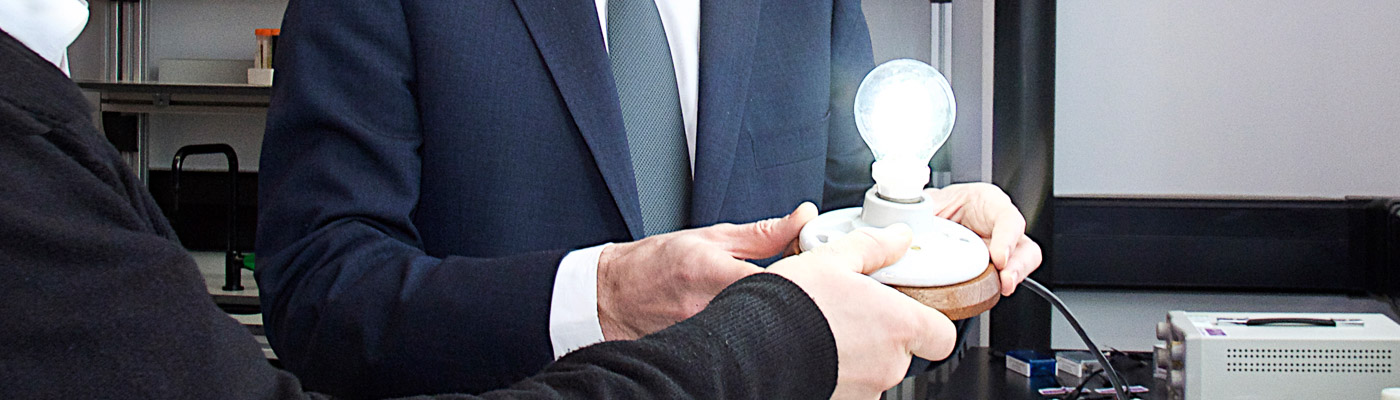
427, 164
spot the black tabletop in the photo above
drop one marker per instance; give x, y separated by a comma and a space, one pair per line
980, 373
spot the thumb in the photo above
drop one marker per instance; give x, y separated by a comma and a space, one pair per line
763, 239
866, 250
935, 334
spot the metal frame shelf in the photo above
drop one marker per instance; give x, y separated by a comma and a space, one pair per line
154, 97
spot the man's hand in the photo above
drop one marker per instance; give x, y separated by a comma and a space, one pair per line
876, 328
987, 210
647, 285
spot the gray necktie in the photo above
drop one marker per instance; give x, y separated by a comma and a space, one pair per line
651, 112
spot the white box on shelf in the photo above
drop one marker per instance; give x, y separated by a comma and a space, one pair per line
260, 76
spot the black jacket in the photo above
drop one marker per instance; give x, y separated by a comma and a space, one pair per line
99, 300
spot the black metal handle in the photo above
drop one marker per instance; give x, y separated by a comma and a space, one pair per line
1296, 321
233, 278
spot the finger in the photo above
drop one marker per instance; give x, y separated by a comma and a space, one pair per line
1024, 260
1029, 252
763, 239
1010, 278
935, 335
866, 250
1007, 230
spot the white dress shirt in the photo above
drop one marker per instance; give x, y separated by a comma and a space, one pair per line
573, 315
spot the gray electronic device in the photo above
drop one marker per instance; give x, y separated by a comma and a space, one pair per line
1077, 363
1249, 355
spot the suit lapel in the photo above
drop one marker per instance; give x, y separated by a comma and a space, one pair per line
571, 43
727, 35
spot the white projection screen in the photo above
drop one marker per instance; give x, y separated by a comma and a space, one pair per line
1234, 98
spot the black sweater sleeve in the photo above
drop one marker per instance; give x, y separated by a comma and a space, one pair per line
100, 301
761, 338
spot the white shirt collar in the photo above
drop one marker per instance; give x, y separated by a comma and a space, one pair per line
46, 26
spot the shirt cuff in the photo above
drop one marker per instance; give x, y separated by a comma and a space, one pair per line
573, 309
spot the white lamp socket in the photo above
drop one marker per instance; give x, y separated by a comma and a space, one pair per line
942, 252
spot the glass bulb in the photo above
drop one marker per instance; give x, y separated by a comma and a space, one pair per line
904, 110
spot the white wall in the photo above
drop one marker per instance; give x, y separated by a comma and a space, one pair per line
1207, 98
207, 30
1286, 98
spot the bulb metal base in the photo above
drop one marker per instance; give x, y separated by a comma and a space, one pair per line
900, 180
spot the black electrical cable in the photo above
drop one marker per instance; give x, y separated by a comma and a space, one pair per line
1120, 388
1079, 390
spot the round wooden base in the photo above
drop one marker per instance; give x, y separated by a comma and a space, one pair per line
962, 300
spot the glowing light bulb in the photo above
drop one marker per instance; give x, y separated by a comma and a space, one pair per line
904, 110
